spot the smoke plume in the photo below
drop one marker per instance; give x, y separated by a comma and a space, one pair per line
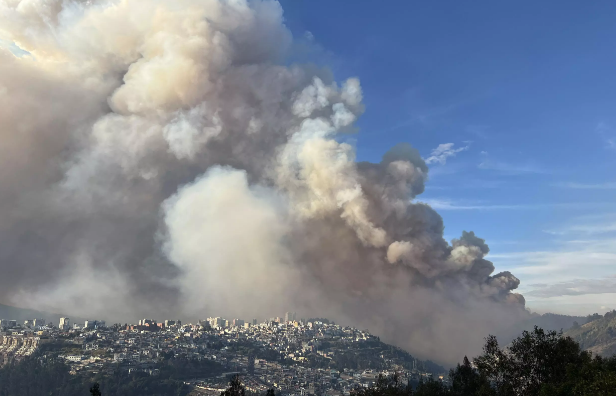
162, 157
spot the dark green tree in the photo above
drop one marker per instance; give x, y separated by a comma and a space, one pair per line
533, 360
468, 381
94, 390
236, 388
385, 386
431, 388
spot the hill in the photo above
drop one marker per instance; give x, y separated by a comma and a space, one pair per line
597, 336
548, 322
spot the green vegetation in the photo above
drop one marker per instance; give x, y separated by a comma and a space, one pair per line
598, 335
538, 363
236, 388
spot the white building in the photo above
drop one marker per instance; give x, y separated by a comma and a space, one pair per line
64, 324
74, 358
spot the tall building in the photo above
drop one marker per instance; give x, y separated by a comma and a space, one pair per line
93, 324
238, 323
38, 322
254, 322
218, 322
64, 324
288, 316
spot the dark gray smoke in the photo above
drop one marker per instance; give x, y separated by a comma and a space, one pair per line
159, 158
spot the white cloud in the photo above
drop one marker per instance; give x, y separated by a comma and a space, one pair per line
588, 229
582, 226
578, 259
574, 287
448, 204
445, 204
444, 151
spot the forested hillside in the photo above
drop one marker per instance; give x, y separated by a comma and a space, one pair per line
597, 336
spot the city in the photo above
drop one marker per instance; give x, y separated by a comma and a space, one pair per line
290, 355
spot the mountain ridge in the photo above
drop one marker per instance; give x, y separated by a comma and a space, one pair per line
597, 336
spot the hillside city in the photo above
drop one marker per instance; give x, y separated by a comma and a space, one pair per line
292, 356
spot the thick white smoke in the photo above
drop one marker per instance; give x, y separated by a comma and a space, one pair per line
160, 158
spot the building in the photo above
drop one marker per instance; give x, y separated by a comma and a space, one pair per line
218, 323
169, 323
28, 323
93, 324
288, 316
238, 323
64, 324
38, 322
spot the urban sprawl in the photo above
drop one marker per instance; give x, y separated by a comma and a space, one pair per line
294, 357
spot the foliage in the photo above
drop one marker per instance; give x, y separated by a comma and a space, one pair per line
537, 363
236, 388
385, 386
533, 360
598, 336
95, 390
468, 381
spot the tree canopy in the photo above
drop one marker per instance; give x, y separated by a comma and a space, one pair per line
538, 363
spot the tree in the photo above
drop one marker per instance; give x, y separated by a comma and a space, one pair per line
236, 388
385, 386
468, 381
431, 388
533, 360
94, 390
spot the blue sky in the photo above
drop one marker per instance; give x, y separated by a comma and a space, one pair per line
526, 95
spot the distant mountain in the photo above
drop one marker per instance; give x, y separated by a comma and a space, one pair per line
597, 336
21, 314
548, 321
